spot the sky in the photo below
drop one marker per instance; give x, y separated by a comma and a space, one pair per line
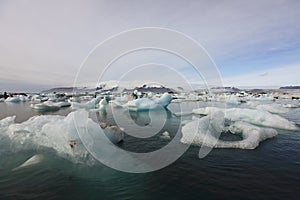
252, 43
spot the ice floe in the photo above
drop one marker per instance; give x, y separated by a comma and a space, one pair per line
149, 104
206, 131
165, 135
50, 131
113, 132
13, 99
91, 104
253, 116
272, 108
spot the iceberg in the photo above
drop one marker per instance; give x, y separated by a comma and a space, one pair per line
252, 135
165, 135
48, 131
253, 116
272, 108
62, 104
46, 106
144, 104
205, 132
13, 99
103, 104
22, 98
87, 105
60, 134
114, 133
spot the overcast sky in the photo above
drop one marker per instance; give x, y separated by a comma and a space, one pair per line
253, 43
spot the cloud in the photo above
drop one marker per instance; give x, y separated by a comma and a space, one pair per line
281, 76
264, 74
44, 42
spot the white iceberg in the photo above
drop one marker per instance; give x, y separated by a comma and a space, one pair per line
165, 135
87, 105
256, 117
22, 98
206, 131
48, 131
62, 104
102, 104
46, 106
203, 131
114, 133
272, 108
13, 99
144, 104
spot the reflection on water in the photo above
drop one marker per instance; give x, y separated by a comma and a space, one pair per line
140, 118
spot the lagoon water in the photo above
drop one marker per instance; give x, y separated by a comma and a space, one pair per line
271, 171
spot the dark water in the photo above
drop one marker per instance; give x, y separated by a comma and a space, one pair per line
271, 171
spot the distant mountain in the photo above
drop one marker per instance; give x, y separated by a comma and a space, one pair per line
289, 87
225, 89
67, 90
144, 89
110, 88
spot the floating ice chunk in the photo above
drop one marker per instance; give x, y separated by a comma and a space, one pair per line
206, 132
13, 99
4, 123
52, 131
22, 98
62, 104
261, 97
102, 104
165, 135
46, 106
252, 136
149, 104
88, 105
59, 134
31, 161
114, 133
164, 100
272, 108
252, 116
